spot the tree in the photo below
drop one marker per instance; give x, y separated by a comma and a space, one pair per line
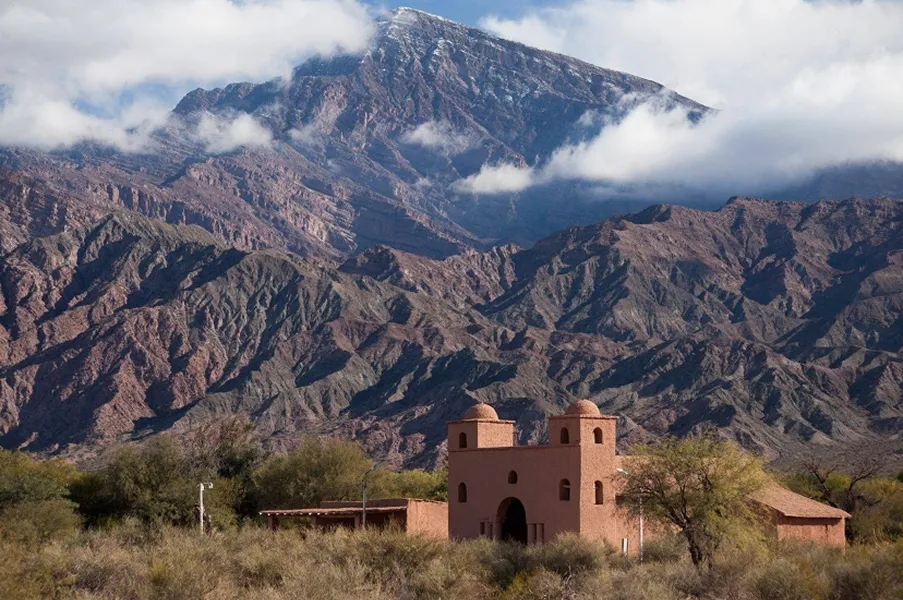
320, 469
879, 517
844, 479
34, 504
699, 485
23, 479
153, 482
424, 485
230, 450
838, 477
229, 447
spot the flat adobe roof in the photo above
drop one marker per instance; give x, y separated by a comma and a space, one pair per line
349, 511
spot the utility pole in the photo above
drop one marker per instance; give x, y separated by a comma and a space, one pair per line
364, 493
201, 488
640, 554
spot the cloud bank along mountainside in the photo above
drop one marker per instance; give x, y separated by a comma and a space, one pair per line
110, 71
800, 86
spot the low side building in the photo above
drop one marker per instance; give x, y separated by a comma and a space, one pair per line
411, 516
530, 494
800, 518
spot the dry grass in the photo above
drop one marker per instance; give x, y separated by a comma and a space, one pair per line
134, 562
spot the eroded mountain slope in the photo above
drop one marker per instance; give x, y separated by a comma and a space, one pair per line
779, 323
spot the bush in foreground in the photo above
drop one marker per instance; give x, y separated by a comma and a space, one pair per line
132, 560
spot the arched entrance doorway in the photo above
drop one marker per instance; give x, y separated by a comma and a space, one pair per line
512, 519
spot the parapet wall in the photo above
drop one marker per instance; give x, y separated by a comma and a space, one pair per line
428, 518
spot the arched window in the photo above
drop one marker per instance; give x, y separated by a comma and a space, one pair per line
600, 493
462, 492
597, 435
512, 477
565, 436
564, 490
462, 440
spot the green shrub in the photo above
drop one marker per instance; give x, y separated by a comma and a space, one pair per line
538, 584
628, 586
152, 482
869, 573
134, 560
385, 552
320, 469
38, 522
880, 517
426, 485
570, 555
665, 549
25, 480
781, 579
503, 561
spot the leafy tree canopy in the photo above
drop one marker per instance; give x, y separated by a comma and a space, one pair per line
699, 485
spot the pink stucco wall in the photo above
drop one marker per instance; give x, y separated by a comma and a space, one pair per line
824, 531
540, 470
483, 453
428, 518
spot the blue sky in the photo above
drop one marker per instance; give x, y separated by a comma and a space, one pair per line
470, 11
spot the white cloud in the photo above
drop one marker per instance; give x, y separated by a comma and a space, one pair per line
497, 179
307, 135
38, 121
57, 52
800, 85
438, 135
222, 134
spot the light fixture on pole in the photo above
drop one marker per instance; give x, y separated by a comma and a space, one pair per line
364, 493
626, 474
201, 488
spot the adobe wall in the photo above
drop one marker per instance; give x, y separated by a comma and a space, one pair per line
823, 531
605, 522
480, 433
428, 518
539, 469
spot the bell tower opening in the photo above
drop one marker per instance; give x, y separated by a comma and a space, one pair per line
512, 518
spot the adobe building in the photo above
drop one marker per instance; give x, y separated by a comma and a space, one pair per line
530, 494
800, 518
423, 517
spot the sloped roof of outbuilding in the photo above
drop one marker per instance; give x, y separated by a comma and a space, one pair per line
791, 504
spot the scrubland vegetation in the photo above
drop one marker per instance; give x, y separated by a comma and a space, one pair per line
127, 529
129, 560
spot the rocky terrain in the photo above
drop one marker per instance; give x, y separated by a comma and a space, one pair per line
373, 149
340, 280
779, 323
365, 150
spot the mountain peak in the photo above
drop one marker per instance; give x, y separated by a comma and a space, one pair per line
401, 22
406, 14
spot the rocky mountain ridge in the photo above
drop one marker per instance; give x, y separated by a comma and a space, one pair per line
340, 280
779, 323
365, 150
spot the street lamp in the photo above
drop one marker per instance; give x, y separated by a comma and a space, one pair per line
364, 493
626, 474
201, 488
